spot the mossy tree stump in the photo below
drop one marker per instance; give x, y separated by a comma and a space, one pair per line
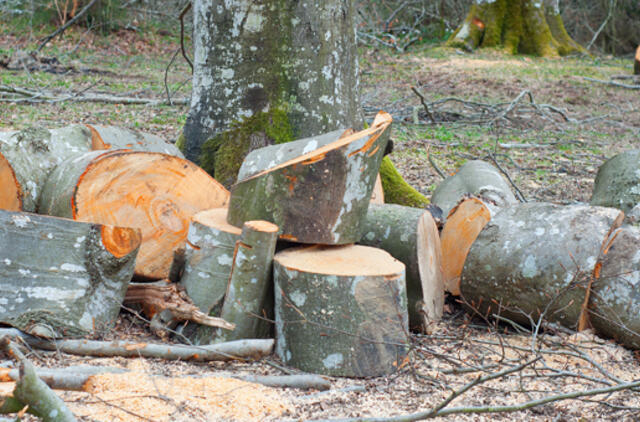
340, 310
518, 26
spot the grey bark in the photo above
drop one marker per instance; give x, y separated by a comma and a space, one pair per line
113, 137
618, 182
57, 279
71, 378
537, 259
251, 57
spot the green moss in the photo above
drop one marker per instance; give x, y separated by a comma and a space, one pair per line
397, 190
180, 143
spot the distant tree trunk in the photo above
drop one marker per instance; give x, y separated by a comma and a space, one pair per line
519, 26
265, 72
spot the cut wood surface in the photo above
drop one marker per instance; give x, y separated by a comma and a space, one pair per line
154, 192
411, 236
60, 277
340, 310
476, 178
321, 195
636, 62
251, 276
537, 260
461, 228
377, 196
617, 182
113, 137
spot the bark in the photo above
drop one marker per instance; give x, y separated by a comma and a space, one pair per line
476, 178
72, 378
251, 276
538, 260
321, 195
61, 277
268, 72
155, 192
340, 310
617, 182
517, 26
411, 236
113, 137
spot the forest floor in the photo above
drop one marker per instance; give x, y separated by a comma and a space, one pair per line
550, 143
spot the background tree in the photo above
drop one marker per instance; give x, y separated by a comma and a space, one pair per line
520, 26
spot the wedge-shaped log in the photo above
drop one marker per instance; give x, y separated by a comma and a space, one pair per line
321, 195
113, 137
411, 235
340, 310
60, 277
538, 260
476, 178
155, 192
618, 182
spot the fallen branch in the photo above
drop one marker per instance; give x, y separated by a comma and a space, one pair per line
613, 83
71, 378
302, 382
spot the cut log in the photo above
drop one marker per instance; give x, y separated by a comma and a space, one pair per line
636, 62
617, 182
28, 156
461, 229
476, 178
209, 256
322, 195
537, 260
411, 235
155, 192
113, 137
246, 296
377, 196
340, 310
60, 277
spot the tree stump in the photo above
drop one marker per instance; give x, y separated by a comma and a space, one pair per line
461, 229
155, 192
537, 260
113, 137
340, 310
60, 277
244, 302
411, 236
322, 195
617, 182
476, 178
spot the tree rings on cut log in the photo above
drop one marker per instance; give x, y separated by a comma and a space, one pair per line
476, 178
461, 228
411, 235
537, 260
321, 195
617, 182
155, 192
340, 310
60, 277
113, 137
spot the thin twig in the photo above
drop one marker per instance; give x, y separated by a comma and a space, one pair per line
166, 74
424, 104
181, 17
613, 83
65, 26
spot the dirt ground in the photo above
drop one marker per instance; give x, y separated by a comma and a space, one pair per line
551, 151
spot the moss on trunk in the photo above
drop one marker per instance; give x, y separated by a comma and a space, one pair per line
397, 190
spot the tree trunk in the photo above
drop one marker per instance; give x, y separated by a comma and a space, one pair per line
340, 311
617, 182
518, 26
411, 236
155, 192
60, 277
113, 137
316, 190
268, 72
538, 260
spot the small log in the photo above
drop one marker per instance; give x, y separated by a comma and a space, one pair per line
155, 192
60, 277
340, 310
71, 378
246, 296
617, 182
411, 235
476, 178
301, 382
322, 195
538, 260
461, 229
636, 62
113, 137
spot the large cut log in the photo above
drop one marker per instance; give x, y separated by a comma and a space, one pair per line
246, 296
60, 277
155, 192
321, 195
618, 182
476, 178
411, 235
538, 260
113, 137
460, 230
340, 310
28, 156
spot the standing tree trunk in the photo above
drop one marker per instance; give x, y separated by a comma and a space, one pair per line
268, 72
518, 26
